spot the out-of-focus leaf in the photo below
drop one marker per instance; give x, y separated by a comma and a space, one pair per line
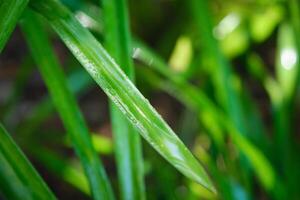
287, 73
264, 21
232, 35
182, 54
10, 11
287, 61
19, 180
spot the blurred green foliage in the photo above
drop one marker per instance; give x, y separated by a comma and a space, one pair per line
223, 74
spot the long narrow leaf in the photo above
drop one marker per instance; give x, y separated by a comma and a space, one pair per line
126, 139
66, 106
121, 91
19, 180
10, 12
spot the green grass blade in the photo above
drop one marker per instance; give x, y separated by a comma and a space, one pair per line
126, 139
66, 106
189, 96
19, 180
179, 88
198, 101
122, 92
117, 35
10, 11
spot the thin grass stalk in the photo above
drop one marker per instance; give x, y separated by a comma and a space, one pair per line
121, 91
66, 105
18, 179
127, 142
10, 11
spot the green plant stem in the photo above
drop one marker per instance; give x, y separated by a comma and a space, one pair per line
66, 106
19, 180
121, 91
10, 12
126, 140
